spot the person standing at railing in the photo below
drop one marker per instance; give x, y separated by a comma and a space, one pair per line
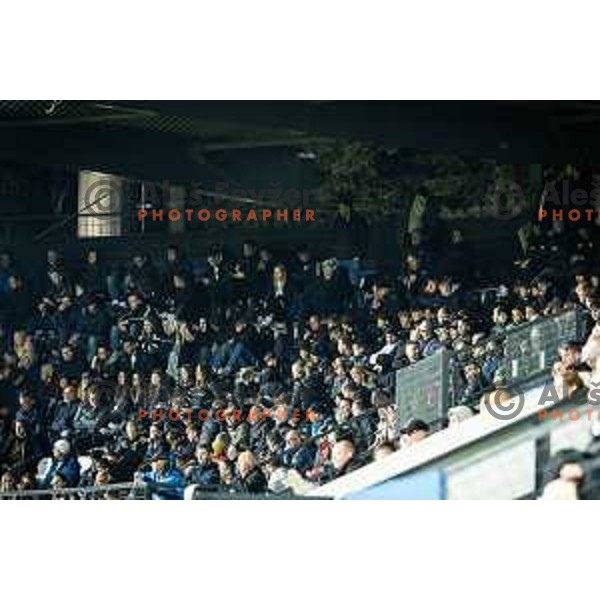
351, 231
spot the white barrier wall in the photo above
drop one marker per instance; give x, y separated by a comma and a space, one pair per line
483, 458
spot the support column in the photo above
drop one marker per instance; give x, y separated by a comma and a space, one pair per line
176, 200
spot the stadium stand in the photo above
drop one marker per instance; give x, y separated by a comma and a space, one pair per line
253, 371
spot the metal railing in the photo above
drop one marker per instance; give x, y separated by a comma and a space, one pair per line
114, 491
428, 388
141, 491
531, 348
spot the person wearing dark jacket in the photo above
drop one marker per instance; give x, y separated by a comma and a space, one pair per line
363, 425
93, 274
131, 450
238, 351
293, 444
251, 479
91, 417
70, 365
23, 449
95, 325
45, 324
120, 403
205, 472
66, 320
249, 263
15, 304
303, 270
164, 481
64, 412
343, 459
351, 231
142, 275
174, 263
281, 297
28, 412
332, 292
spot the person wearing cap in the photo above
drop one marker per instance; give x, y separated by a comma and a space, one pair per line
63, 464
164, 481
415, 431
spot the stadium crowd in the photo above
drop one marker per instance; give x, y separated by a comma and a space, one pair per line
97, 356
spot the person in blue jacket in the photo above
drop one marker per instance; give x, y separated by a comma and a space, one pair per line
164, 481
64, 464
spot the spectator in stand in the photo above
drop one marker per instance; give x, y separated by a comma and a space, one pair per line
251, 479
205, 472
63, 469
244, 341
413, 432
164, 481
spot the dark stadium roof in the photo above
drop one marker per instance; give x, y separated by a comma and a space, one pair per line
170, 138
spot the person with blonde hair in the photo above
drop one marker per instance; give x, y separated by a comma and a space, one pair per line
24, 349
251, 479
